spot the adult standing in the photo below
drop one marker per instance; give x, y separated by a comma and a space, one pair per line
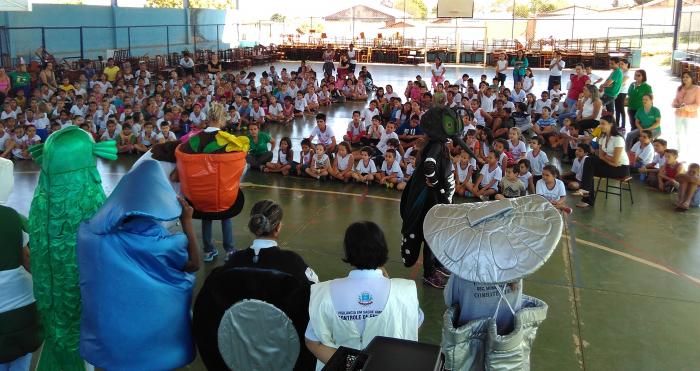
214, 65
351, 311
48, 78
21, 80
588, 117
612, 86
260, 153
620, 117
502, 68
647, 117
352, 58
520, 64
111, 71
576, 86
328, 57
438, 72
555, 67
610, 160
5, 85
637, 89
687, 104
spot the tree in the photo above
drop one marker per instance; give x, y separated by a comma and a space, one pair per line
533, 7
278, 18
416, 8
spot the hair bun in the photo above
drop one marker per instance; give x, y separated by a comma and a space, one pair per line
259, 224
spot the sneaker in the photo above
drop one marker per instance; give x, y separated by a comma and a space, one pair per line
229, 254
443, 272
435, 281
210, 255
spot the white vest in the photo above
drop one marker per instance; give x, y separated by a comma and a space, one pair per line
399, 319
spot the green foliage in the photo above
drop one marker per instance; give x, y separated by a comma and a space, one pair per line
278, 18
533, 7
416, 8
165, 4
641, 2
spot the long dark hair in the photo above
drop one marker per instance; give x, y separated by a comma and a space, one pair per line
614, 131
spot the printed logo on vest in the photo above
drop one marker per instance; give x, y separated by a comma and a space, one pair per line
365, 298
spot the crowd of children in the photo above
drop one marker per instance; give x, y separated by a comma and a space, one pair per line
506, 129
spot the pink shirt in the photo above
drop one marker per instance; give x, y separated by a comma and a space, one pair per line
691, 100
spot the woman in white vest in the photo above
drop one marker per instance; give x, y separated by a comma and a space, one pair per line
351, 311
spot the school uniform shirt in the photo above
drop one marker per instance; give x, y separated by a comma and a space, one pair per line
148, 140
363, 168
554, 93
4, 115
275, 109
170, 138
343, 162
525, 178
392, 169
259, 114
644, 155
79, 111
519, 96
489, 175
659, 160
539, 104
537, 162
41, 122
311, 98
554, 194
197, 119
517, 150
382, 145
324, 137
367, 114
300, 104
577, 168
462, 173
478, 300
487, 103
356, 130
556, 71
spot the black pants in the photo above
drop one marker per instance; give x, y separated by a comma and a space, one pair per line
608, 103
553, 80
430, 263
256, 162
630, 115
585, 124
620, 117
594, 166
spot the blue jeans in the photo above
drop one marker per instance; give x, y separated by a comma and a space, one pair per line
516, 76
19, 364
571, 105
226, 230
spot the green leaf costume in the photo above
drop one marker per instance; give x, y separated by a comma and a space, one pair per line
69, 192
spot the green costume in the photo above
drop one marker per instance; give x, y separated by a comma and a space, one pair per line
69, 191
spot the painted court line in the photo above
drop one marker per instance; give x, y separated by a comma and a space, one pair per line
253, 185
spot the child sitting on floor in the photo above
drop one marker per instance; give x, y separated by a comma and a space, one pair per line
307, 153
642, 152
391, 174
650, 171
464, 169
343, 163
573, 178
669, 171
538, 159
517, 147
525, 175
487, 182
320, 163
366, 169
285, 159
511, 186
689, 194
356, 129
551, 187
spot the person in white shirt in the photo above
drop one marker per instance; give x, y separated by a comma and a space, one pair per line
573, 178
538, 159
642, 152
388, 133
390, 174
187, 64
274, 111
611, 160
487, 183
592, 77
551, 188
370, 112
555, 67
300, 105
197, 116
366, 169
438, 72
518, 94
390, 93
324, 133
351, 311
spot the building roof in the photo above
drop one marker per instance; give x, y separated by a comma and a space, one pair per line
378, 10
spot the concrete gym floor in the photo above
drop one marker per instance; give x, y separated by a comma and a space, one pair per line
623, 294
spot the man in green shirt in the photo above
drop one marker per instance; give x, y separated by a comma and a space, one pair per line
20, 80
611, 87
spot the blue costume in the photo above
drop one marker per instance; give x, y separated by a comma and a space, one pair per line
136, 296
